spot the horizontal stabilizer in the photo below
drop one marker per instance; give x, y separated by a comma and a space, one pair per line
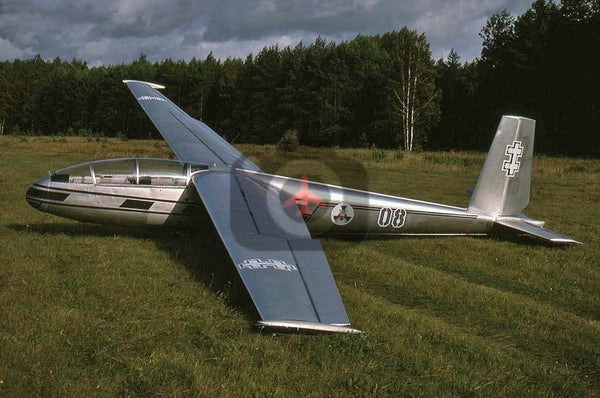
297, 326
535, 230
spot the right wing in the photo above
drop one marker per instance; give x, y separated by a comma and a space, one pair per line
285, 271
190, 139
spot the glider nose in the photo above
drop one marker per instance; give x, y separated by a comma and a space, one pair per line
37, 192
43, 181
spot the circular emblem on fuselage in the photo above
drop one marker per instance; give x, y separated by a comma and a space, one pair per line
342, 214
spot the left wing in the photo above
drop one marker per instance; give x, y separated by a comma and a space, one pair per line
190, 139
284, 270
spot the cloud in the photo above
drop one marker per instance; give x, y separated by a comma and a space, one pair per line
114, 31
10, 52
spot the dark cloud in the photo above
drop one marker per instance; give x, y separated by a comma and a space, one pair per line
114, 31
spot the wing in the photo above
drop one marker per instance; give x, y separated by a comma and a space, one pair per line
284, 270
190, 139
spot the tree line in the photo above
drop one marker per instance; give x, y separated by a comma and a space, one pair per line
384, 90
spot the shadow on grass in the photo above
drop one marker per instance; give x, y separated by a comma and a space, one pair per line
203, 254
200, 251
519, 239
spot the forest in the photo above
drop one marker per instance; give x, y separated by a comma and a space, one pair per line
383, 90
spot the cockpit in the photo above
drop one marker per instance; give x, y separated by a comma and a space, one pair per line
133, 171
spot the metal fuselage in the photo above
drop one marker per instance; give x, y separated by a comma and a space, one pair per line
165, 196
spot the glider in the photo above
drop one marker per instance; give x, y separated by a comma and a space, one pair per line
267, 222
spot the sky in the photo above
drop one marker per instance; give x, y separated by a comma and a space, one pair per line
104, 32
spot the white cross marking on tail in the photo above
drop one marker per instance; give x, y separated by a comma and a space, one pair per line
513, 164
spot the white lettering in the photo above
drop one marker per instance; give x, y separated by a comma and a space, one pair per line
150, 98
257, 263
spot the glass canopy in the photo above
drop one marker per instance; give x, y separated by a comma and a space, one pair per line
158, 172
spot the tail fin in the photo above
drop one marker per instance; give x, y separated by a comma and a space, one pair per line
502, 189
503, 185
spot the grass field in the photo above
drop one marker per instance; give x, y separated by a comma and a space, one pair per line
90, 310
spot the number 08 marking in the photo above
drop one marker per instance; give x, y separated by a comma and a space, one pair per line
395, 217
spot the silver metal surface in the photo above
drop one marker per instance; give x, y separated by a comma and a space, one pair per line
87, 192
419, 217
504, 183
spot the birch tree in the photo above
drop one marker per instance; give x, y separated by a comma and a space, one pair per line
415, 98
4, 92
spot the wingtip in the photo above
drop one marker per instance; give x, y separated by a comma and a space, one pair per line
566, 241
298, 326
153, 85
517, 117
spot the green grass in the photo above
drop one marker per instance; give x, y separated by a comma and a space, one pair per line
90, 310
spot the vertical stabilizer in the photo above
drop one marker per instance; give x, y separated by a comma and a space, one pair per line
503, 185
